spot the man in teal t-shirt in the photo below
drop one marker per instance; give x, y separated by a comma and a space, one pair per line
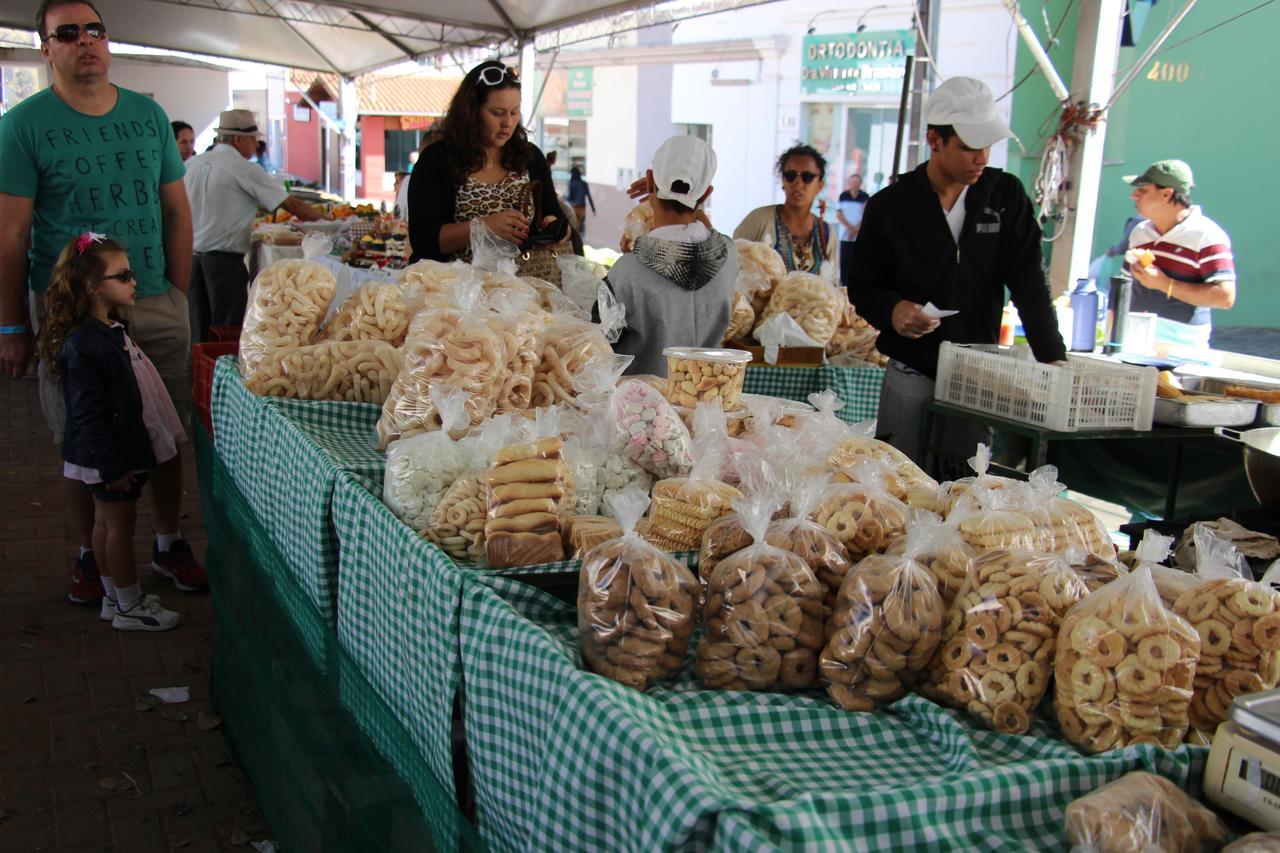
84, 155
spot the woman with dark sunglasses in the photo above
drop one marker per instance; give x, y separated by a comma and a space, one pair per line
484, 167
806, 242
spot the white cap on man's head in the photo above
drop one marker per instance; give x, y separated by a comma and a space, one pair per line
687, 160
967, 105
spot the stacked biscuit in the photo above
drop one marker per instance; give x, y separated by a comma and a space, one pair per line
527, 488
684, 508
1239, 627
723, 537
886, 627
1096, 571
1000, 638
457, 523
635, 612
763, 619
1067, 524
584, 532
1124, 668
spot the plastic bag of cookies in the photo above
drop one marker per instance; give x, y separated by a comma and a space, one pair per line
999, 642
954, 492
454, 345
345, 371
862, 516
811, 301
420, 468
375, 312
903, 479
943, 552
1095, 571
568, 346
636, 605
1142, 811
456, 525
741, 317
824, 554
653, 435
528, 495
1125, 665
684, 507
1239, 626
584, 532
287, 303
763, 614
520, 324
760, 268
885, 629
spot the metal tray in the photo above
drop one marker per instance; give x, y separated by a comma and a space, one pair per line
1268, 413
1215, 412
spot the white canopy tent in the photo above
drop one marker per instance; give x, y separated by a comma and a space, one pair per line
351, 37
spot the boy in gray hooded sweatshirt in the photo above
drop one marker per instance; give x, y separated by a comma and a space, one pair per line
677, 282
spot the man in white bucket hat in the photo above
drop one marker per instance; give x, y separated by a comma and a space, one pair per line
952, 234
226, 189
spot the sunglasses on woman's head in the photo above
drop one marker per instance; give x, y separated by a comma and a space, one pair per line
124, 276
67, 33
495, 74
791, 174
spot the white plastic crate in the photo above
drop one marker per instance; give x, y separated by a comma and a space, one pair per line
1084, 394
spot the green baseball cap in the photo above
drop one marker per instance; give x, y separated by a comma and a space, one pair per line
1171, 174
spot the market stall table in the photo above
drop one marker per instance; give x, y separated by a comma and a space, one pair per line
1171, 441
556, 752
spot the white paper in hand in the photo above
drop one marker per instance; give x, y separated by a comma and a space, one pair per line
931, 310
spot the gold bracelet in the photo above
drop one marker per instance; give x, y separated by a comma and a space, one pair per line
1168, 294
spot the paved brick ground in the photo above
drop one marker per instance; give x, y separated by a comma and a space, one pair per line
70, 685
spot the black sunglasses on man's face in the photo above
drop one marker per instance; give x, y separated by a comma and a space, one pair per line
68, 33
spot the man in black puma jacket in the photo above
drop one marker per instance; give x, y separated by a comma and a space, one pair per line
954, 233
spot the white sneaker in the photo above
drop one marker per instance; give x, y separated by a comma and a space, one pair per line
146, 615
108, 613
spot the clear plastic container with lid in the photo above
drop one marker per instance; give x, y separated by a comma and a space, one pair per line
694, 375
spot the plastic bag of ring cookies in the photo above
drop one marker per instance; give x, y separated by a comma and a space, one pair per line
1239, 626
998, 644
1142, 811
1125, 666
945, 555
821, 551
636, 605
763, 614
863, 516
885, 629
287, 303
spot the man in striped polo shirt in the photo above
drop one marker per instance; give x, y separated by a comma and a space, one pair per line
1193, 270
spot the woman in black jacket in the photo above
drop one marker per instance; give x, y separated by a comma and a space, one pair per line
484, 167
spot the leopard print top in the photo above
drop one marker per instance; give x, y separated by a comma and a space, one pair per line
476, 199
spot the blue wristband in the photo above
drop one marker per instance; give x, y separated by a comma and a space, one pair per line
13, 330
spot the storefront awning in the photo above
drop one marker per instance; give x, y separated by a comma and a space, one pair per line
350, 37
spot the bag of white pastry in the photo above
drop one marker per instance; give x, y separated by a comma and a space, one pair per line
941, 550
529, 493
821, 551
421, 467
343, 371
520, 324
430, 284
955, 491
1125, 665
653, 435
863, 516
1141, 811
1000, 637
811, 301
376, 311
636, 605
1238, 622
683, 507
455, 345
763, 613
599, 466
763, 268
998, 518
456, 525
886, 626
287, 303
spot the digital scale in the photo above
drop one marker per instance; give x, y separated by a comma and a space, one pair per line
1243, 773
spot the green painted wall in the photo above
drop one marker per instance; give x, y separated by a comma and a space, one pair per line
1222, 117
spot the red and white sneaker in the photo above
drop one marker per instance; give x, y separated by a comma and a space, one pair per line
86, 583
179, 565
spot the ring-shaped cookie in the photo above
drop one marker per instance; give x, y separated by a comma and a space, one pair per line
1159, 652
1005, 657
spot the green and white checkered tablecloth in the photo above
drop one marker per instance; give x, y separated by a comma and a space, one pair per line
582, 763
859, 387
285, 455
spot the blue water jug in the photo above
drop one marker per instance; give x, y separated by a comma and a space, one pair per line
1084, 316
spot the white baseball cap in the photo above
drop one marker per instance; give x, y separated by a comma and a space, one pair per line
687, 159
967, 105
